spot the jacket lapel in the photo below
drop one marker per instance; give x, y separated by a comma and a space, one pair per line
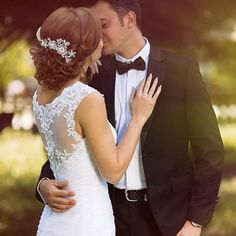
109, 67
157, 68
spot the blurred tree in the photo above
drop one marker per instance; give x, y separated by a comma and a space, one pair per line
15, 63
181, 25
204, 29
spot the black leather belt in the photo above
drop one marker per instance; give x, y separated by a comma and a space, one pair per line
133, 195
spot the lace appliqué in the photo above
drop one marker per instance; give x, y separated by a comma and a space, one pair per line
45, 115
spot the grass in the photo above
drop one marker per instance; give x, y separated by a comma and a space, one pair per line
22, 155
224, 219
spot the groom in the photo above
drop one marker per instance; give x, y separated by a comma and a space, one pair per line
165, 191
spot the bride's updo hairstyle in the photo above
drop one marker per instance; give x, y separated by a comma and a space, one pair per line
81, 29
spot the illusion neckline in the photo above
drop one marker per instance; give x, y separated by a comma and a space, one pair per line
54, 100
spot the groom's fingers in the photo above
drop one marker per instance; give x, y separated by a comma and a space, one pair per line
61, 197
63, 193
60, 184
60, 204
58, 211
64, 201
60, 208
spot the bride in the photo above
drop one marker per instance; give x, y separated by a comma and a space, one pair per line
72, 120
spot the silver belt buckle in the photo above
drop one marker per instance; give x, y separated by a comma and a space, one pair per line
127, 196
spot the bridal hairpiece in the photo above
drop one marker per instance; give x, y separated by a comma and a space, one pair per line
58, 45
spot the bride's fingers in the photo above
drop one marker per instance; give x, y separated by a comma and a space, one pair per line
153, 88
99, 62
96, 64
147, 84
141, 86
157, 93
94, 68
132, 95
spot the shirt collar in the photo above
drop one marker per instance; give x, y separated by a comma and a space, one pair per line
144, 53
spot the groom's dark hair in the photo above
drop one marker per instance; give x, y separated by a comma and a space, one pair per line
121, 7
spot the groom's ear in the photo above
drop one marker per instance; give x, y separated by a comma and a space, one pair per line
131, 19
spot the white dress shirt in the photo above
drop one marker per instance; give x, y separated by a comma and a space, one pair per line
134, 177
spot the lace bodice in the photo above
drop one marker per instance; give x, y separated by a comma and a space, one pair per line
56, 125
71, 159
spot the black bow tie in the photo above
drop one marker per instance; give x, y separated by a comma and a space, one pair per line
138, 64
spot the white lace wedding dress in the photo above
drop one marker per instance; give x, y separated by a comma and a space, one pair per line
70, 158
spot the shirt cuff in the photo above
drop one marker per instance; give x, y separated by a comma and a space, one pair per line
195, 224
39, 190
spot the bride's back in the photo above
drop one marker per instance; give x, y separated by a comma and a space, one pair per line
56, 124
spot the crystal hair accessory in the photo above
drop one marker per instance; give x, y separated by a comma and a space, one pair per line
58, 45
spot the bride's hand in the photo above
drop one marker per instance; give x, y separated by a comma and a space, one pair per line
144, 99
94, 66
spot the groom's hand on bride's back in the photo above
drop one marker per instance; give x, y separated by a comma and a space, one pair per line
56, 196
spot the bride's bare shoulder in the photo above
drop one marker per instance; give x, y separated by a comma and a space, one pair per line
93, 106
93, 99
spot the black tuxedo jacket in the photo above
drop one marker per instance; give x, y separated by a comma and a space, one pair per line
180, 186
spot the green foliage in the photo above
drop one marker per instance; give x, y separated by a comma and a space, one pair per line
221, 73
15, 63
21, 153
228, 133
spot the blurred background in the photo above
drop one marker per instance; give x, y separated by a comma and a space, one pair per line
202, 29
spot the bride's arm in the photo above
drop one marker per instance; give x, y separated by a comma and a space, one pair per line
91, 114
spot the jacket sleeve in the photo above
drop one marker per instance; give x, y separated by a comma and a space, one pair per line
46, 172
207, 147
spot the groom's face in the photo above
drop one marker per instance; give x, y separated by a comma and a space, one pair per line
114, 32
